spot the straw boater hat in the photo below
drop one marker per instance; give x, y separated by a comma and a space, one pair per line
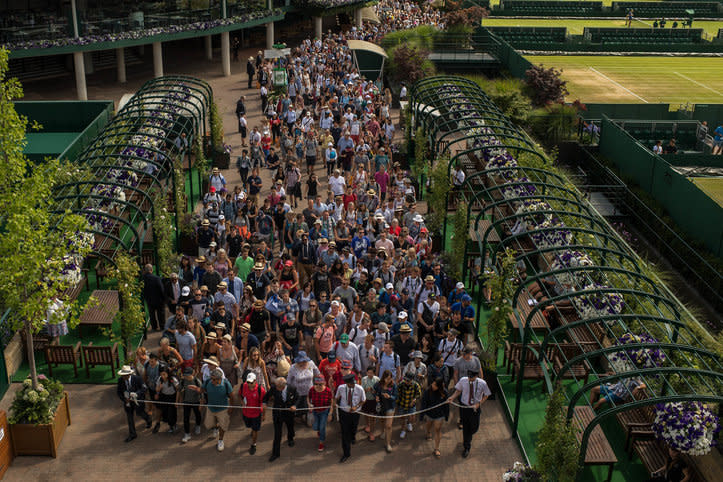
125, 370
212, 360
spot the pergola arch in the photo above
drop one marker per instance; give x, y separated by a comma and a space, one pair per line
645, 307
130, 163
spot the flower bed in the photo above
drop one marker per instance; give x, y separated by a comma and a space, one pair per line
572, 259
592, 305
633, 358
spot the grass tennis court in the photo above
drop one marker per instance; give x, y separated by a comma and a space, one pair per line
712, 186
673, 80
576, 26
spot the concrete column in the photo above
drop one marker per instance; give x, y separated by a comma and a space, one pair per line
208, 44
226, 53
74, 14
358, 18
120, 58
317, 27
270, 35
80, 86
157, 59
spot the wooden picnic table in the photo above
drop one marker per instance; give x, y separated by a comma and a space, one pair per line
102, 313
599, 451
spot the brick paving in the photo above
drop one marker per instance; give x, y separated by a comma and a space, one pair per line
93, 446
93, 449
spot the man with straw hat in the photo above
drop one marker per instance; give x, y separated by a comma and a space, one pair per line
131, 390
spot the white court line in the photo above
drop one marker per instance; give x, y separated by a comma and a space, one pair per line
697, 83
644, 23
619, 85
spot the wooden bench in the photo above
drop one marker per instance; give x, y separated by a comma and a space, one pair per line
637, 422
538, 321
599, 451
100, 355
567, 351
40, 340
533, 361
654, 455
63, 354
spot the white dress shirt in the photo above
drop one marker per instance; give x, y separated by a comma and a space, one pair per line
479, 390
357, 396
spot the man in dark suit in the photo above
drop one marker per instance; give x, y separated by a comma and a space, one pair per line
154, 296
251, 70
284, 397
131, 391
173, 290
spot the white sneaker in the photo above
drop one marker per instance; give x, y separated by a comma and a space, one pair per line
215, 433
220, 446
186, 438
409, 427
402, 434
198, 430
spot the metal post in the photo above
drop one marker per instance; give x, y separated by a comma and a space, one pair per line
157, 60
226, 53
358, 18
74, 11
80, 86
208, 45
270, 35
120, 57
317, 27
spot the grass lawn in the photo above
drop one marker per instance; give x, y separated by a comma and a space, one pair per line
606, 3
576, 26
645, 79
712, 186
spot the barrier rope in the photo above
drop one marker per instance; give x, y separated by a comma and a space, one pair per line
303, 409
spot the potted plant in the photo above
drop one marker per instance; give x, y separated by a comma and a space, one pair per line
521, 473
39, 417
688, 427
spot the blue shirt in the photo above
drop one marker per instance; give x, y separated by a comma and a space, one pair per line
360, 245
718, 133
467, 312
218, 394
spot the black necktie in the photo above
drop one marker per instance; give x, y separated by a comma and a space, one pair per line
348, 397
471, 388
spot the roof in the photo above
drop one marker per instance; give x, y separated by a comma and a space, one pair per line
370, 15
367, 46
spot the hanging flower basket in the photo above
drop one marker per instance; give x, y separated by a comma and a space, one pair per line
688, 427
633, 358
592, 305
572, 259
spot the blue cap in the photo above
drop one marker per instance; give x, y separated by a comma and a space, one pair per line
466, 297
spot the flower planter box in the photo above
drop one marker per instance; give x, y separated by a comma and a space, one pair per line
44, 439
188, 244
221, 159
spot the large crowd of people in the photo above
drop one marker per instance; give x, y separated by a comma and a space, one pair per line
321, 293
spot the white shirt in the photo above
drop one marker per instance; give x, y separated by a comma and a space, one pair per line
357, 397
449, 351
337, 184
459, 177
479, 391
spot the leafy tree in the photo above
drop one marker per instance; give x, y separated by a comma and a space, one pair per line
163, 230
441, 184
409, 64
546, 85
131, 316
43, 250
467, 17
557, 449
459, 240
502, 287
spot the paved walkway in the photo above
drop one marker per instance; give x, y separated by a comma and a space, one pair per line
93, 449
93, 446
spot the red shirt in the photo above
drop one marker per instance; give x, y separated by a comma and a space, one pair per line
329, 369
253, 397
339, 381
349, 198
320, 399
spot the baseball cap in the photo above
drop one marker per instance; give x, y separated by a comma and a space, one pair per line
344, 338
251, 377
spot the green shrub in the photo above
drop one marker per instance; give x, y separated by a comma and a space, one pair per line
557, 449
36, 405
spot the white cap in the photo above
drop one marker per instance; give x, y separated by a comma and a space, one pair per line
251, 377
389, 286
402, 315
459, 286
335, 303
185, 291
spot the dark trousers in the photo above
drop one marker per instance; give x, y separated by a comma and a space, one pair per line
130, 417
279, 421
187, 417
349, 423
168, 412
251, 80
470, 425
244, 173
157, 316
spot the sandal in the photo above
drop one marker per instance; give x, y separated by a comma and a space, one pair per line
437, 453
429, 436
